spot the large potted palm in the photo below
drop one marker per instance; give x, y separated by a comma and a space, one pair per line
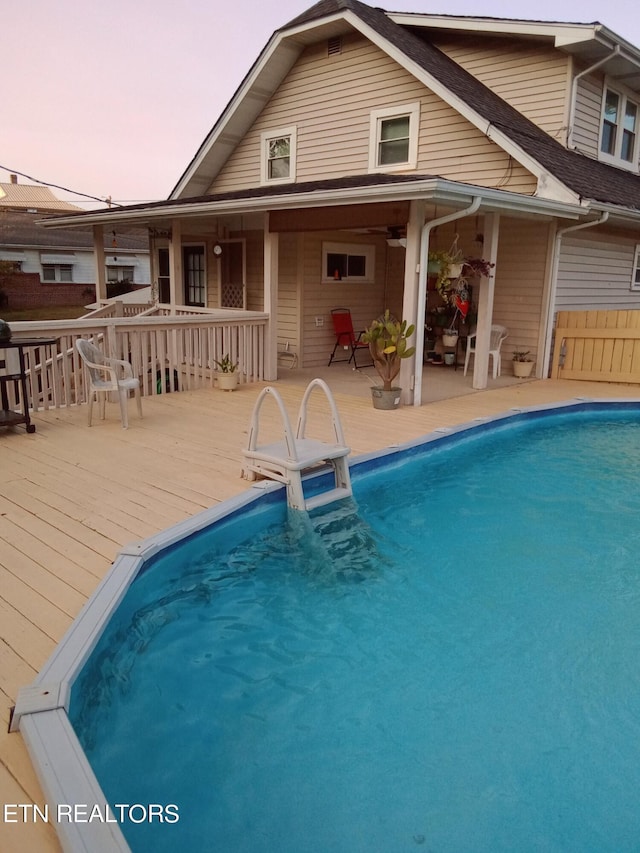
387, 339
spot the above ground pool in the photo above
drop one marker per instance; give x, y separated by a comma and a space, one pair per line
447, 662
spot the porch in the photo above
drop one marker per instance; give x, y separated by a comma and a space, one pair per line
72, 496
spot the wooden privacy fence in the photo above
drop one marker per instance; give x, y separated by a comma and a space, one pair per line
175, 353
601, 346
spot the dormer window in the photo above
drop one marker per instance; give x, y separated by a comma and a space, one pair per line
278, 156
393, 140
619, 131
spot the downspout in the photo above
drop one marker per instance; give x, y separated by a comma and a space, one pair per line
554, 281
422, 289
574, 91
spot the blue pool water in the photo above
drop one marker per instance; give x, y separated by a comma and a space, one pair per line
447, 663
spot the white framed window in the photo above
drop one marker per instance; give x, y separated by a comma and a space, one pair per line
619, 129
353, 262
635, 275
57, 272
278, 163
120, 273
393, 138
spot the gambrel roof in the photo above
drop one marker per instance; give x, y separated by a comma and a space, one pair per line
563, 174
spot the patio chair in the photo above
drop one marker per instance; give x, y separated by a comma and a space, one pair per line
346, 338
498, 334
107, 375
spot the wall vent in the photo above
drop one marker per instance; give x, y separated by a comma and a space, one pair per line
334, 45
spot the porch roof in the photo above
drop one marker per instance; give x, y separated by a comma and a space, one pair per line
351, 189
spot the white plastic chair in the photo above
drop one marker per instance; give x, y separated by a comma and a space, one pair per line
498, 334
107, 375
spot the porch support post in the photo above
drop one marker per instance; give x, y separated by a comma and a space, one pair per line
175, 263
271, 301
99, 259
485, 303
411, 368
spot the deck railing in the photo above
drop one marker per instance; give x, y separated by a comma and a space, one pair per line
167, 353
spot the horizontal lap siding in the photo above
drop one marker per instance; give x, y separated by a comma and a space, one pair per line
520, 278
595, 272
532, 78
365, 301
330, 98
586, 124
289, 254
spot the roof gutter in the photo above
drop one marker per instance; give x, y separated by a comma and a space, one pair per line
554, 280
574, 91
436, 188
425, 235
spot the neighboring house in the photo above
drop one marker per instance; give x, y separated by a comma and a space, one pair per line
57, 266
361, 139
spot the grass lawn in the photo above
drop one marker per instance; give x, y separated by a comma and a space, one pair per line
50, 312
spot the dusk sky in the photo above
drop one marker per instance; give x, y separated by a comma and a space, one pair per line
114, 99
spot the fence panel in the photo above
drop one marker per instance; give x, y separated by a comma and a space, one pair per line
599, 346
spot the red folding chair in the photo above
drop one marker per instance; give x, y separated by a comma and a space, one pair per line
346, 338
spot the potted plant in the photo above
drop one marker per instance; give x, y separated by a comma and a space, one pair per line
445, 266
226, 373
387, 339
522, 364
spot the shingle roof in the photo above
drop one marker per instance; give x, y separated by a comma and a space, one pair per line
587, 177
19, 229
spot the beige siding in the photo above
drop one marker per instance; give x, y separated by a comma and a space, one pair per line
519, 274
520, 277
291, 247
329, 100
531, 77
586, 125
595, 272
366, 301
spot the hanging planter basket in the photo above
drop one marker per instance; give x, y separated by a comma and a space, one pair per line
450, 337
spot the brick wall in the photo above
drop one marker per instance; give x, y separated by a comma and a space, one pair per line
25, 290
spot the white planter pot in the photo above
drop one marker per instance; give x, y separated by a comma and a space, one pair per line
227, 381
522, 369
455, 270
449, 340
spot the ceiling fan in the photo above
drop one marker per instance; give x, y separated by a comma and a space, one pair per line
395, 238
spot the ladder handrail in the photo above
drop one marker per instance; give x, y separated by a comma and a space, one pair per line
270, 391
335, 417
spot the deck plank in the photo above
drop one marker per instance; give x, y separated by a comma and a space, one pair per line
71, 496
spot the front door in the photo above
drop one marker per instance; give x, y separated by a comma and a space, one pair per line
195, 281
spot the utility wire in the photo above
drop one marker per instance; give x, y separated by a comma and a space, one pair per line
107, 201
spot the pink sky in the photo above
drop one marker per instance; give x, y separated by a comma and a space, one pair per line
113, 99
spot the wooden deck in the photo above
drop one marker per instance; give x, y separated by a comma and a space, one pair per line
72, 496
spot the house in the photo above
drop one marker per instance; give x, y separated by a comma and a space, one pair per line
361, 141
54, 266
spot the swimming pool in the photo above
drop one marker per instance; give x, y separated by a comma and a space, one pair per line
435, 664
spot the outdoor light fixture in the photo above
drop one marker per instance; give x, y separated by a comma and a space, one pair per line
394, 239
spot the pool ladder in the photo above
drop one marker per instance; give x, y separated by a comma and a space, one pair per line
287, 460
